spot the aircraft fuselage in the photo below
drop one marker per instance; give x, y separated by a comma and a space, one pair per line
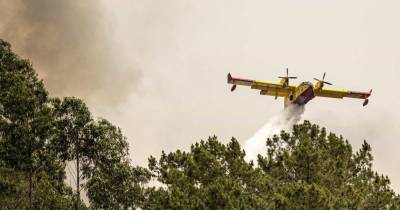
303, 94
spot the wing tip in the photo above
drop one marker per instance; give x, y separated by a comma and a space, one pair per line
229, 78
368, 94
366, 101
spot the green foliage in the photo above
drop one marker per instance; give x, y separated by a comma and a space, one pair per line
26, 128
305, 169
101, 153
310, 159
24, 119
38, 136
210, 176
117, 187
72, 120
112, 182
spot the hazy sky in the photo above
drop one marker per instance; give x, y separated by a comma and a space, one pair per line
163, 64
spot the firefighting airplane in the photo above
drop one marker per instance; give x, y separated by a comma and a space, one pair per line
297, 94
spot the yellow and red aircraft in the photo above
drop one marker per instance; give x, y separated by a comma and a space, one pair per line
297, 94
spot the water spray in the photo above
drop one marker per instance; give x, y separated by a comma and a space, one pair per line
284, 120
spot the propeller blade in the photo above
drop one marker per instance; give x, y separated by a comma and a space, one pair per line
323, 78
328, 83
287, 77
317, 79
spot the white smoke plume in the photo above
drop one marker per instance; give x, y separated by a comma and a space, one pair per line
284, 120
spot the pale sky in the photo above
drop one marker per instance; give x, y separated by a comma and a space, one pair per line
171, 59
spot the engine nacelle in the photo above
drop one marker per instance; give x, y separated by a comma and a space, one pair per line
318, 86
366, 101
233, 88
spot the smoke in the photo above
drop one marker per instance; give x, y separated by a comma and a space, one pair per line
282, 121
71, 47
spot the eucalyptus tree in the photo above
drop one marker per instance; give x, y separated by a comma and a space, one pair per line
72, 120
26, 123
100, 152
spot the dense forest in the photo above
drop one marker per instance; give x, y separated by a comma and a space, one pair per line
42, 138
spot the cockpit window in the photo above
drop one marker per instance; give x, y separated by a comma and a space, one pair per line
306, 83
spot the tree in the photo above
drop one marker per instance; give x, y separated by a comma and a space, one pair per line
26, 125
304, 169
210, 176
112, 181
73, 120
319, 168
100, 152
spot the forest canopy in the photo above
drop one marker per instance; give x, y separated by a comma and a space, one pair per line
43, 137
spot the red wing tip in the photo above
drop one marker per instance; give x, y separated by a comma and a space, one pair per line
362, 94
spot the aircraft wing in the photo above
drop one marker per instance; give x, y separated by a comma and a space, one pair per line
331, 93
266, 88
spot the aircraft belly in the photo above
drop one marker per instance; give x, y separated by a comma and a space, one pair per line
305, 97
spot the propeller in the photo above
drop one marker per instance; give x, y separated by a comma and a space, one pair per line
323, 80
287, 75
